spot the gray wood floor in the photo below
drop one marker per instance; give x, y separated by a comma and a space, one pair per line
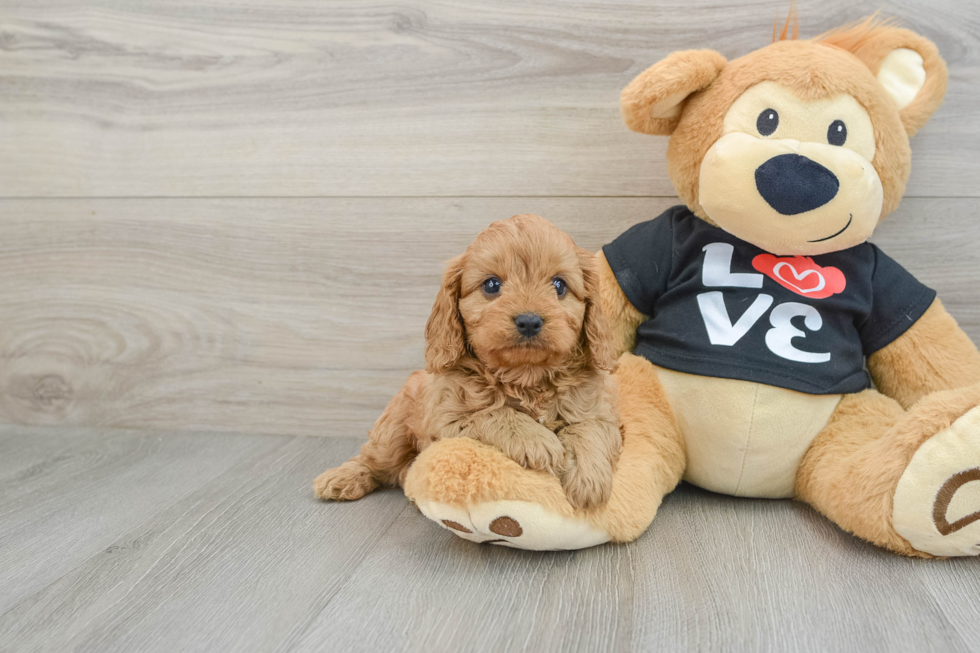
142, 541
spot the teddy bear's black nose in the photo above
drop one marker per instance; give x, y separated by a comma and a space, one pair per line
793, 184
528, 324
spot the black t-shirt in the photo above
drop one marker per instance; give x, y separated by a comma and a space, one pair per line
722, 307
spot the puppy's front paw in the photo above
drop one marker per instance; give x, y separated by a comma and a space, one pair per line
588, 484
539, 450
349, 482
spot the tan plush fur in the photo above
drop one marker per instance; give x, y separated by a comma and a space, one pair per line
842, 62
853, 467
621, 316
934, 354
851, 471
651, 104
547, 401
464, 472
872, 42
812, 71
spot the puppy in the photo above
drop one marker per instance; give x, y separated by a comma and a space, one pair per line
517, 357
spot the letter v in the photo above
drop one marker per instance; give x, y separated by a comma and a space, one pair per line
721, 331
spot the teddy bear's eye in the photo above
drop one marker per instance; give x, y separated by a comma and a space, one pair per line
837, 133
767, 122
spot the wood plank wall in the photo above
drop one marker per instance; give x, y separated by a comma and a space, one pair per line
231, 215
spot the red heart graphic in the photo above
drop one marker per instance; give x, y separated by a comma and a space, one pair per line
801, 275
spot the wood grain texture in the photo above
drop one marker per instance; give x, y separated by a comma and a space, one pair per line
243, 563
59, 512
295, 316
408, 98
249, 561
247, 287
24, 453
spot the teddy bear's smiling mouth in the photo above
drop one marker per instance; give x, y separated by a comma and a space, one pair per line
850, 218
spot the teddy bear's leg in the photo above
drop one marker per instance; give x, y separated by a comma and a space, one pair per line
906, 481
481, 495
653, 458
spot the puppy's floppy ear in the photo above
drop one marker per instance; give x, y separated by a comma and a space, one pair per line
907, 65
595, 331
445, 340
652, 102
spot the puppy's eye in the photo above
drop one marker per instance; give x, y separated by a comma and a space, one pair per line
767, 122
560, 286
491, 286
837, 133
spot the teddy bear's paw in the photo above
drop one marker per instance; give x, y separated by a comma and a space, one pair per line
349, 482
937, 500
517, 524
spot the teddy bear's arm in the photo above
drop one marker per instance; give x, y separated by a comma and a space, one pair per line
621, 315
934, 354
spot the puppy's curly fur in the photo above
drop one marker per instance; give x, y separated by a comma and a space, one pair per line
546, 400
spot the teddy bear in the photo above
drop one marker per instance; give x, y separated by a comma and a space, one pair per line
766, 349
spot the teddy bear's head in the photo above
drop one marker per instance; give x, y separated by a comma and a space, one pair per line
801, 147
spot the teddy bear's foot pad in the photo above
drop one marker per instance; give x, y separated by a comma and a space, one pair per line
937, 501
517, 524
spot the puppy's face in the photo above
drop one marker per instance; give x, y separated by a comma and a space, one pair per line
523, 293
522, 296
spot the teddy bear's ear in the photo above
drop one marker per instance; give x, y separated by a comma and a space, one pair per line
907, 65
652, 102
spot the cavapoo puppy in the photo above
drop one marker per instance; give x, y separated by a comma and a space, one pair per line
517, 357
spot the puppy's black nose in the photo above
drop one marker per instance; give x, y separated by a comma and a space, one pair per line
528, 324
793, 184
